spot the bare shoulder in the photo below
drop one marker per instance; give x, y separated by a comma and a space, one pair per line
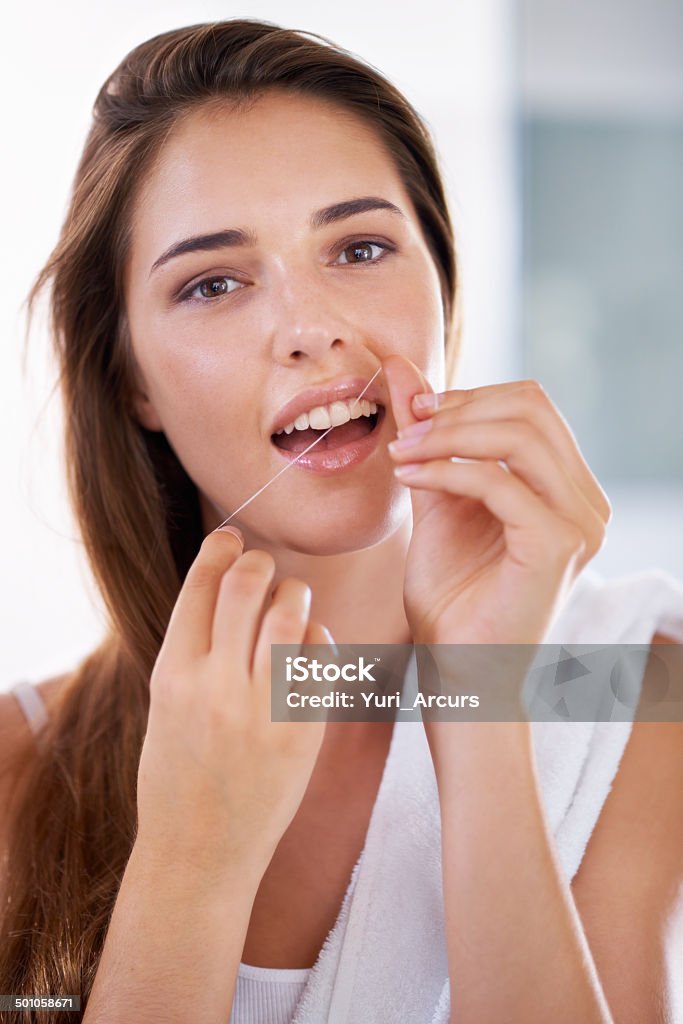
629, 887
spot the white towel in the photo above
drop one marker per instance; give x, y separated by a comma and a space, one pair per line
385, 959
577, 761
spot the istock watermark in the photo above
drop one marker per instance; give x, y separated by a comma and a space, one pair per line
301, 669
485, 683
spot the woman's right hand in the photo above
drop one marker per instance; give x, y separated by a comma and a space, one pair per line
218, 781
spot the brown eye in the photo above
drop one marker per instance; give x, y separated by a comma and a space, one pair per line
212, 287
362, 252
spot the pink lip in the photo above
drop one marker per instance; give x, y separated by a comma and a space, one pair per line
327, 463
343, 388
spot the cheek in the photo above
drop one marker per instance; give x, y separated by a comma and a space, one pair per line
212, 407
204, 434
202, 401
191, 380
415, 316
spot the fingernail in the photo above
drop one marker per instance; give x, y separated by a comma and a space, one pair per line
408, 469
426, 401
415, 429
331, 641
234, 531
404, 442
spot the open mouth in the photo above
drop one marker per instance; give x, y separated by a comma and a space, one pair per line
338, 437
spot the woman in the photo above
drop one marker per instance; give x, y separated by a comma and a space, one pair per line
257, 227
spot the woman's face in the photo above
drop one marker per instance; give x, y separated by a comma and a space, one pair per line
226, 334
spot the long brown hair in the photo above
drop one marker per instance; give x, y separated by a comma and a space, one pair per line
138, 511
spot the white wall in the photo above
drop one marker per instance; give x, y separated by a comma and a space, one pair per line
453, 60
616, 57
616, 62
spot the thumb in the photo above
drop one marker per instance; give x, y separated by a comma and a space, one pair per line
404, 380
234, 530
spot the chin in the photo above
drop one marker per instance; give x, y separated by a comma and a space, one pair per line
345, 531
309, 528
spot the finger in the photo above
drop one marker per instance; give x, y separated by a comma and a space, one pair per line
527, 400
534, 534
404, 379
319, 635
242, 595
526, 452
188, 634
428, 404
285, 622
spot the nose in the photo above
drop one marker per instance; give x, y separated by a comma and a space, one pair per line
307, 325
313, 340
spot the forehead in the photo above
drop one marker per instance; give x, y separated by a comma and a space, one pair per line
281, 156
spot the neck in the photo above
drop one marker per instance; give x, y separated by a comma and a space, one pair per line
358, 595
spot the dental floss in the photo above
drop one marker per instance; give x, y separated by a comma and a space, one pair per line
294, 461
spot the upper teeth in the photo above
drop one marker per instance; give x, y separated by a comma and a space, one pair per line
324, 416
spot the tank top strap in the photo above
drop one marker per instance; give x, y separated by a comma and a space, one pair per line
32, 704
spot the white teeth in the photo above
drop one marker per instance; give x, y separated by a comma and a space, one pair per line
324, 416
339, 413
319, 418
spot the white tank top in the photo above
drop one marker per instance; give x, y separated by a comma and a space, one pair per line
263, 995
266, 995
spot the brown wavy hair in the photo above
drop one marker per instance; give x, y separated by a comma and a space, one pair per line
74, 821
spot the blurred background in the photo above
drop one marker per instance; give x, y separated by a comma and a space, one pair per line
560, 131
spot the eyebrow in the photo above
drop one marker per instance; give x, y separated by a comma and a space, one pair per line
239, 237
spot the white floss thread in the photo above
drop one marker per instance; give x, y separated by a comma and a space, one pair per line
294, 461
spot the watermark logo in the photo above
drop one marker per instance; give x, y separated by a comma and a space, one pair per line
478, 682
300, 670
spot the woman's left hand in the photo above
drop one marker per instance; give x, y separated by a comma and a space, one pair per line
494, 548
